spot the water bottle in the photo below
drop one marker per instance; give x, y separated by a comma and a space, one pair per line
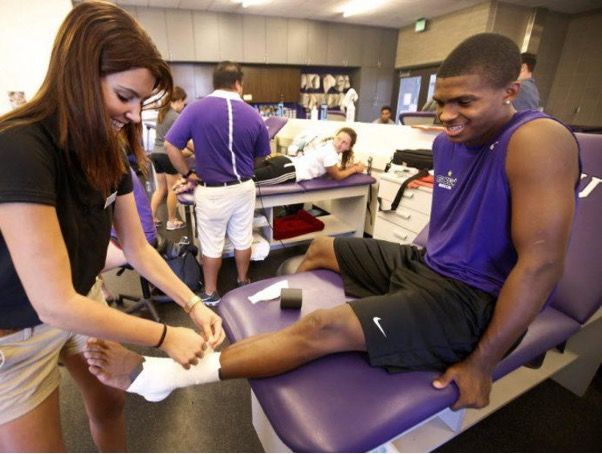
324, 112
280, 111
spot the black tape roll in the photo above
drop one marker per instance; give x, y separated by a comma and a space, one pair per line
291, 298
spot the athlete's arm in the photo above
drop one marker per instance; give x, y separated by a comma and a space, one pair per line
542, 170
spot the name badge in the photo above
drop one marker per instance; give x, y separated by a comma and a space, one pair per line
110, 199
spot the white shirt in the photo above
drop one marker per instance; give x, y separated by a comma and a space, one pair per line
313, 164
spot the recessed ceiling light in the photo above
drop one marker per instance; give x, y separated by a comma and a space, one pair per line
247, 3
355, 7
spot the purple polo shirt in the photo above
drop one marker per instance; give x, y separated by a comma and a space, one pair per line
228, 135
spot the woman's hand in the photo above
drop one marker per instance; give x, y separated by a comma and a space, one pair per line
209, 323
183, 345
359, 167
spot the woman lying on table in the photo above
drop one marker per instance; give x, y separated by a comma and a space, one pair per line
313, 164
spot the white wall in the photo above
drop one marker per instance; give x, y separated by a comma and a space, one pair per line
377, 141
27, 33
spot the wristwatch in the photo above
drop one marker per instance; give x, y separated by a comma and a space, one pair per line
191, 303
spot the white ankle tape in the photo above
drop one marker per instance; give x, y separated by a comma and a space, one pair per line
160, 376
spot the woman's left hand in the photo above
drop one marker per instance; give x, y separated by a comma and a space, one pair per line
209, 323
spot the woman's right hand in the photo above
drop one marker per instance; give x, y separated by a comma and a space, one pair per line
183, 345
359, 167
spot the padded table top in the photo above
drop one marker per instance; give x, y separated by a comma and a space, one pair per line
339, 402
316, 184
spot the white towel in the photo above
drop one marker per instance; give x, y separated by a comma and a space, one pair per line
269, 293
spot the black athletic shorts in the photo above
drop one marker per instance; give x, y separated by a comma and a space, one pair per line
412, 317
162, 163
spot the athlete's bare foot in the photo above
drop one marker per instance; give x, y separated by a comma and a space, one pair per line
112, 364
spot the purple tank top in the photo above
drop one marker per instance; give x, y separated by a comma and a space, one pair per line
469, 233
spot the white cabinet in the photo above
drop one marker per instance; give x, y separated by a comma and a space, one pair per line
230, 37
337, 47
317, 40
276, 39
353, 37
370, 47
412, 214
153, 22
297, 42
378, 47
180, 36
206, 38
254, 39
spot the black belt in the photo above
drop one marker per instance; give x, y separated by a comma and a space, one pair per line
227, 183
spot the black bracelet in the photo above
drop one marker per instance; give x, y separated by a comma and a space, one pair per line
162, 336
190, 172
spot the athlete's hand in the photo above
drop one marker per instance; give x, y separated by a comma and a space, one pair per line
473, 382
209, 323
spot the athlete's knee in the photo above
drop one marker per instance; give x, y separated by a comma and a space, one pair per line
316, 326
321, 248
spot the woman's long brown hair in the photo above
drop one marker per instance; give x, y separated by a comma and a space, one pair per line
178, 94
96, 39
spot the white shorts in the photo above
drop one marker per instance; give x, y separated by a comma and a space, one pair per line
225, 210
29, 361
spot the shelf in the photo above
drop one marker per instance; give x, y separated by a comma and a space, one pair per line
333, 226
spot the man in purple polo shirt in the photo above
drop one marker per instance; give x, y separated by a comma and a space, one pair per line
229, 137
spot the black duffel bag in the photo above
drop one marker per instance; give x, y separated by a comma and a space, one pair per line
419, 159
181, 258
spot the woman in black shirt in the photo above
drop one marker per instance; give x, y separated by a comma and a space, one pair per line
63, 182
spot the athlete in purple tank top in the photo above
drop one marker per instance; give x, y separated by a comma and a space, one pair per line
504, 199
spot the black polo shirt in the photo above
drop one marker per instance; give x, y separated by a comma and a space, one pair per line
33, 169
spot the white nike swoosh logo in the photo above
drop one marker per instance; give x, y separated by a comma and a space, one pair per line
376, 321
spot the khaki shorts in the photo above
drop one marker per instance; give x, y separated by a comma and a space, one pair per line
29, 364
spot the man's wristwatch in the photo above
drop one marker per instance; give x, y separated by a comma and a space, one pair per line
190, 172
191, 303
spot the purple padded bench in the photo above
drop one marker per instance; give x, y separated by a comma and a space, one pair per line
340, 403
345, 200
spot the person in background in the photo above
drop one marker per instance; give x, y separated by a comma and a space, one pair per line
385, 116
229, 138
528, 96
166, 174
313, 163
63, 180
503, 207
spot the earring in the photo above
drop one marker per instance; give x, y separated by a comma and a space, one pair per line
507, 101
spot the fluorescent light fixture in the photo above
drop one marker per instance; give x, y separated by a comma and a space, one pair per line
355, 7
247, 3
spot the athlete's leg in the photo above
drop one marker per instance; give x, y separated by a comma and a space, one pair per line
320, 255
320, 333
